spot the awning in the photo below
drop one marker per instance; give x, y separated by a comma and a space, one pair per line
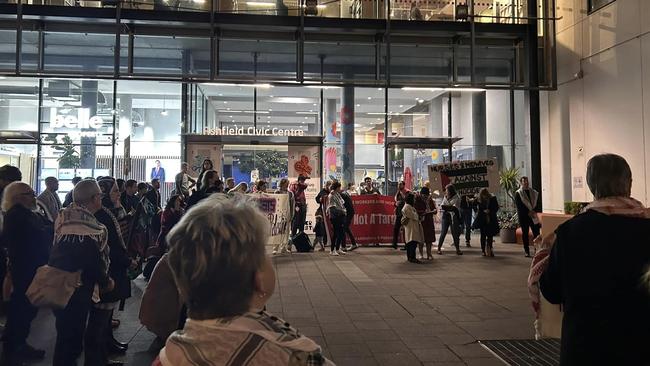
18, 137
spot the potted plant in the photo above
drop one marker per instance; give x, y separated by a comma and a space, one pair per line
574, 208
508, 220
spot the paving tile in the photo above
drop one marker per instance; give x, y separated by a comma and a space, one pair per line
435, 355
397, 359
474, 350
344, 338
391, 346
356, 361
349, 350
371, 325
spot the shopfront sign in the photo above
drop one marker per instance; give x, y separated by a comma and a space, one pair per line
253, 131
60, 121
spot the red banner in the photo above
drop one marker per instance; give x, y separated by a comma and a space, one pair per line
374, 218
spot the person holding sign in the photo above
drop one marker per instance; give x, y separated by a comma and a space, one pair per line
450, 218
526, 201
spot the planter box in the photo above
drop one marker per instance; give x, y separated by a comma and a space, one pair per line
508, 236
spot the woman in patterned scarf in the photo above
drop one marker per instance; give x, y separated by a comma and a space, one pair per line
218, 259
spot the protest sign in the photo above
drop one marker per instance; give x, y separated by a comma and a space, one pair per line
468, 177
373, 222
276, 208
305, 160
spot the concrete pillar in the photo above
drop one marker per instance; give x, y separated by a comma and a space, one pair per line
347, 134
330, 121
125, 124
88, 150
479, 122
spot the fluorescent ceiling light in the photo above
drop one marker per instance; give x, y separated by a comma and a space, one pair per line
262, 86
259, 3
409, 88
292, 100
322, 87
310, 113
317, 6
398, 114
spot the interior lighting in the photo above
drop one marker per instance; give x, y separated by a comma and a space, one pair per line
322, 87
262, 86
259, 3
369, 98
409, 88
164, 112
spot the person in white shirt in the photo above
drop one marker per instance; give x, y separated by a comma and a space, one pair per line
183, 181
450, 218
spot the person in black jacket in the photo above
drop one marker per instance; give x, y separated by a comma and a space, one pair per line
467, 206
28, 237
68, 196
486, 220
349, 217
80, 245
526, 200
210, 184
596, 269
99, 339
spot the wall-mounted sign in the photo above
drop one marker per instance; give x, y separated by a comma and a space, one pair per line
253, 131
74, 122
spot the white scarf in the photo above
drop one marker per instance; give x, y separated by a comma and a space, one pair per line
531, 202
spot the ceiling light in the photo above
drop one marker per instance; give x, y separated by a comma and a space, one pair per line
310, 113
164, 112
225, 102
258, 3
369, 98
358, 105
322, 87
420, 101
262, 86
409, 88
270, 96
401, 106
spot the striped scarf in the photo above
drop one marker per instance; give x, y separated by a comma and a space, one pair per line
249, 339
620, 206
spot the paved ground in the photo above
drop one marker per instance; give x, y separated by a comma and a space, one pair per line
372, 307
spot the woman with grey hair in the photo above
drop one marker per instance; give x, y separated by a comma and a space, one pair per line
218, 258
595, 268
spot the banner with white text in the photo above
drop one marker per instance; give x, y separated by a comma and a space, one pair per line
468, 177
276, 208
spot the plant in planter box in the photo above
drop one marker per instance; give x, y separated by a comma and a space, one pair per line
574, 208
508, 222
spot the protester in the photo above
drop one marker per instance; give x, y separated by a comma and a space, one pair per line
183, 180
209, 185
28, 237
161, 289
486, 220
99, 340
207, 165
261, 186
80, 245
49, 200
349, 217
142, 233
283, 188
426, 208
170, 217
153, 195
526, 202
225, 295
352, 189
467, 207
337, 214
8, 174
450, 218
319, 233
399, 204
128, 198
143, 188
230, 184
121, 186
595, 271
298, 188
68, 197
368, 188
413, 233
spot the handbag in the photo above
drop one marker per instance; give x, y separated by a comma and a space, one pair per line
53, 287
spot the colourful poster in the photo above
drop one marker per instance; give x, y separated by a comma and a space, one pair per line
305, 160
196, 153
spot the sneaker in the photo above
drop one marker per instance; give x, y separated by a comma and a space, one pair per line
321, 249
334, 252
342, 252
467, 244
458, 252
439, 252
274, 252
355, 246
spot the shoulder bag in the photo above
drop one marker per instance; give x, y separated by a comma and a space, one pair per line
53, 287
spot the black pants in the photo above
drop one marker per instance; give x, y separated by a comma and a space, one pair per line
70, 328
96, 339
486, 240
448, 223
348, 232
299, 220
396, 229
338, 237
410, 250
526, 224
19, 318
467, 222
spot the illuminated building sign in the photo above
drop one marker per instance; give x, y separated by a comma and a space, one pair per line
252, 131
